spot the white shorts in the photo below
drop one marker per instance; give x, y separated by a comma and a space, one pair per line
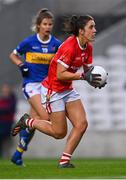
58, 101
31, 89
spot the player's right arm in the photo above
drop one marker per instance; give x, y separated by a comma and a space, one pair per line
63, 63
64, 75
20, 50
15, 57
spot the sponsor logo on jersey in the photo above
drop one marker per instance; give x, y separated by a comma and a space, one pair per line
39, 58
35, 47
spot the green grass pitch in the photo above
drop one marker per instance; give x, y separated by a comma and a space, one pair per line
47, 169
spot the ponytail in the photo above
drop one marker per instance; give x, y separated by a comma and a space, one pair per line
74, 23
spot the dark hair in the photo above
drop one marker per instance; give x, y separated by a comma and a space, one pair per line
43, 13
74, 23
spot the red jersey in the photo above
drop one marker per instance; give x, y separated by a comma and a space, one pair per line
72, 56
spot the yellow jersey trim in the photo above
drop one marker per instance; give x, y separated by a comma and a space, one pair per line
38, 58
20, 149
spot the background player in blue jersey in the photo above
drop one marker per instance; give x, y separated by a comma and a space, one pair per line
37, 51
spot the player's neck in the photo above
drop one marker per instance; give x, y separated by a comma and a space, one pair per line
43, 37
82, 42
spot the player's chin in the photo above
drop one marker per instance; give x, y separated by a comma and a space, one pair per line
92, 39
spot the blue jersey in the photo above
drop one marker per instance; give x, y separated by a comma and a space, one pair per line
37, 55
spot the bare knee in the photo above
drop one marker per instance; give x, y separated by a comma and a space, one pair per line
82, 126
60, 135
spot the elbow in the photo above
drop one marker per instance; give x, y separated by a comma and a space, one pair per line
10, 56
59, 76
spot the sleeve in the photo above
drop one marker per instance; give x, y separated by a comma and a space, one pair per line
21, 49
66, 56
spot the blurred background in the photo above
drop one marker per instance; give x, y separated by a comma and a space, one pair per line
106, 108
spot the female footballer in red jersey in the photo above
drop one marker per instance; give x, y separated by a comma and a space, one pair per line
58, 95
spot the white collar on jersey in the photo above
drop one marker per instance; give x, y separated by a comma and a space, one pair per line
44, 42
82, 48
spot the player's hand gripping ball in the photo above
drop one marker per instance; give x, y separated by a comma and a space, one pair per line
104, 75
